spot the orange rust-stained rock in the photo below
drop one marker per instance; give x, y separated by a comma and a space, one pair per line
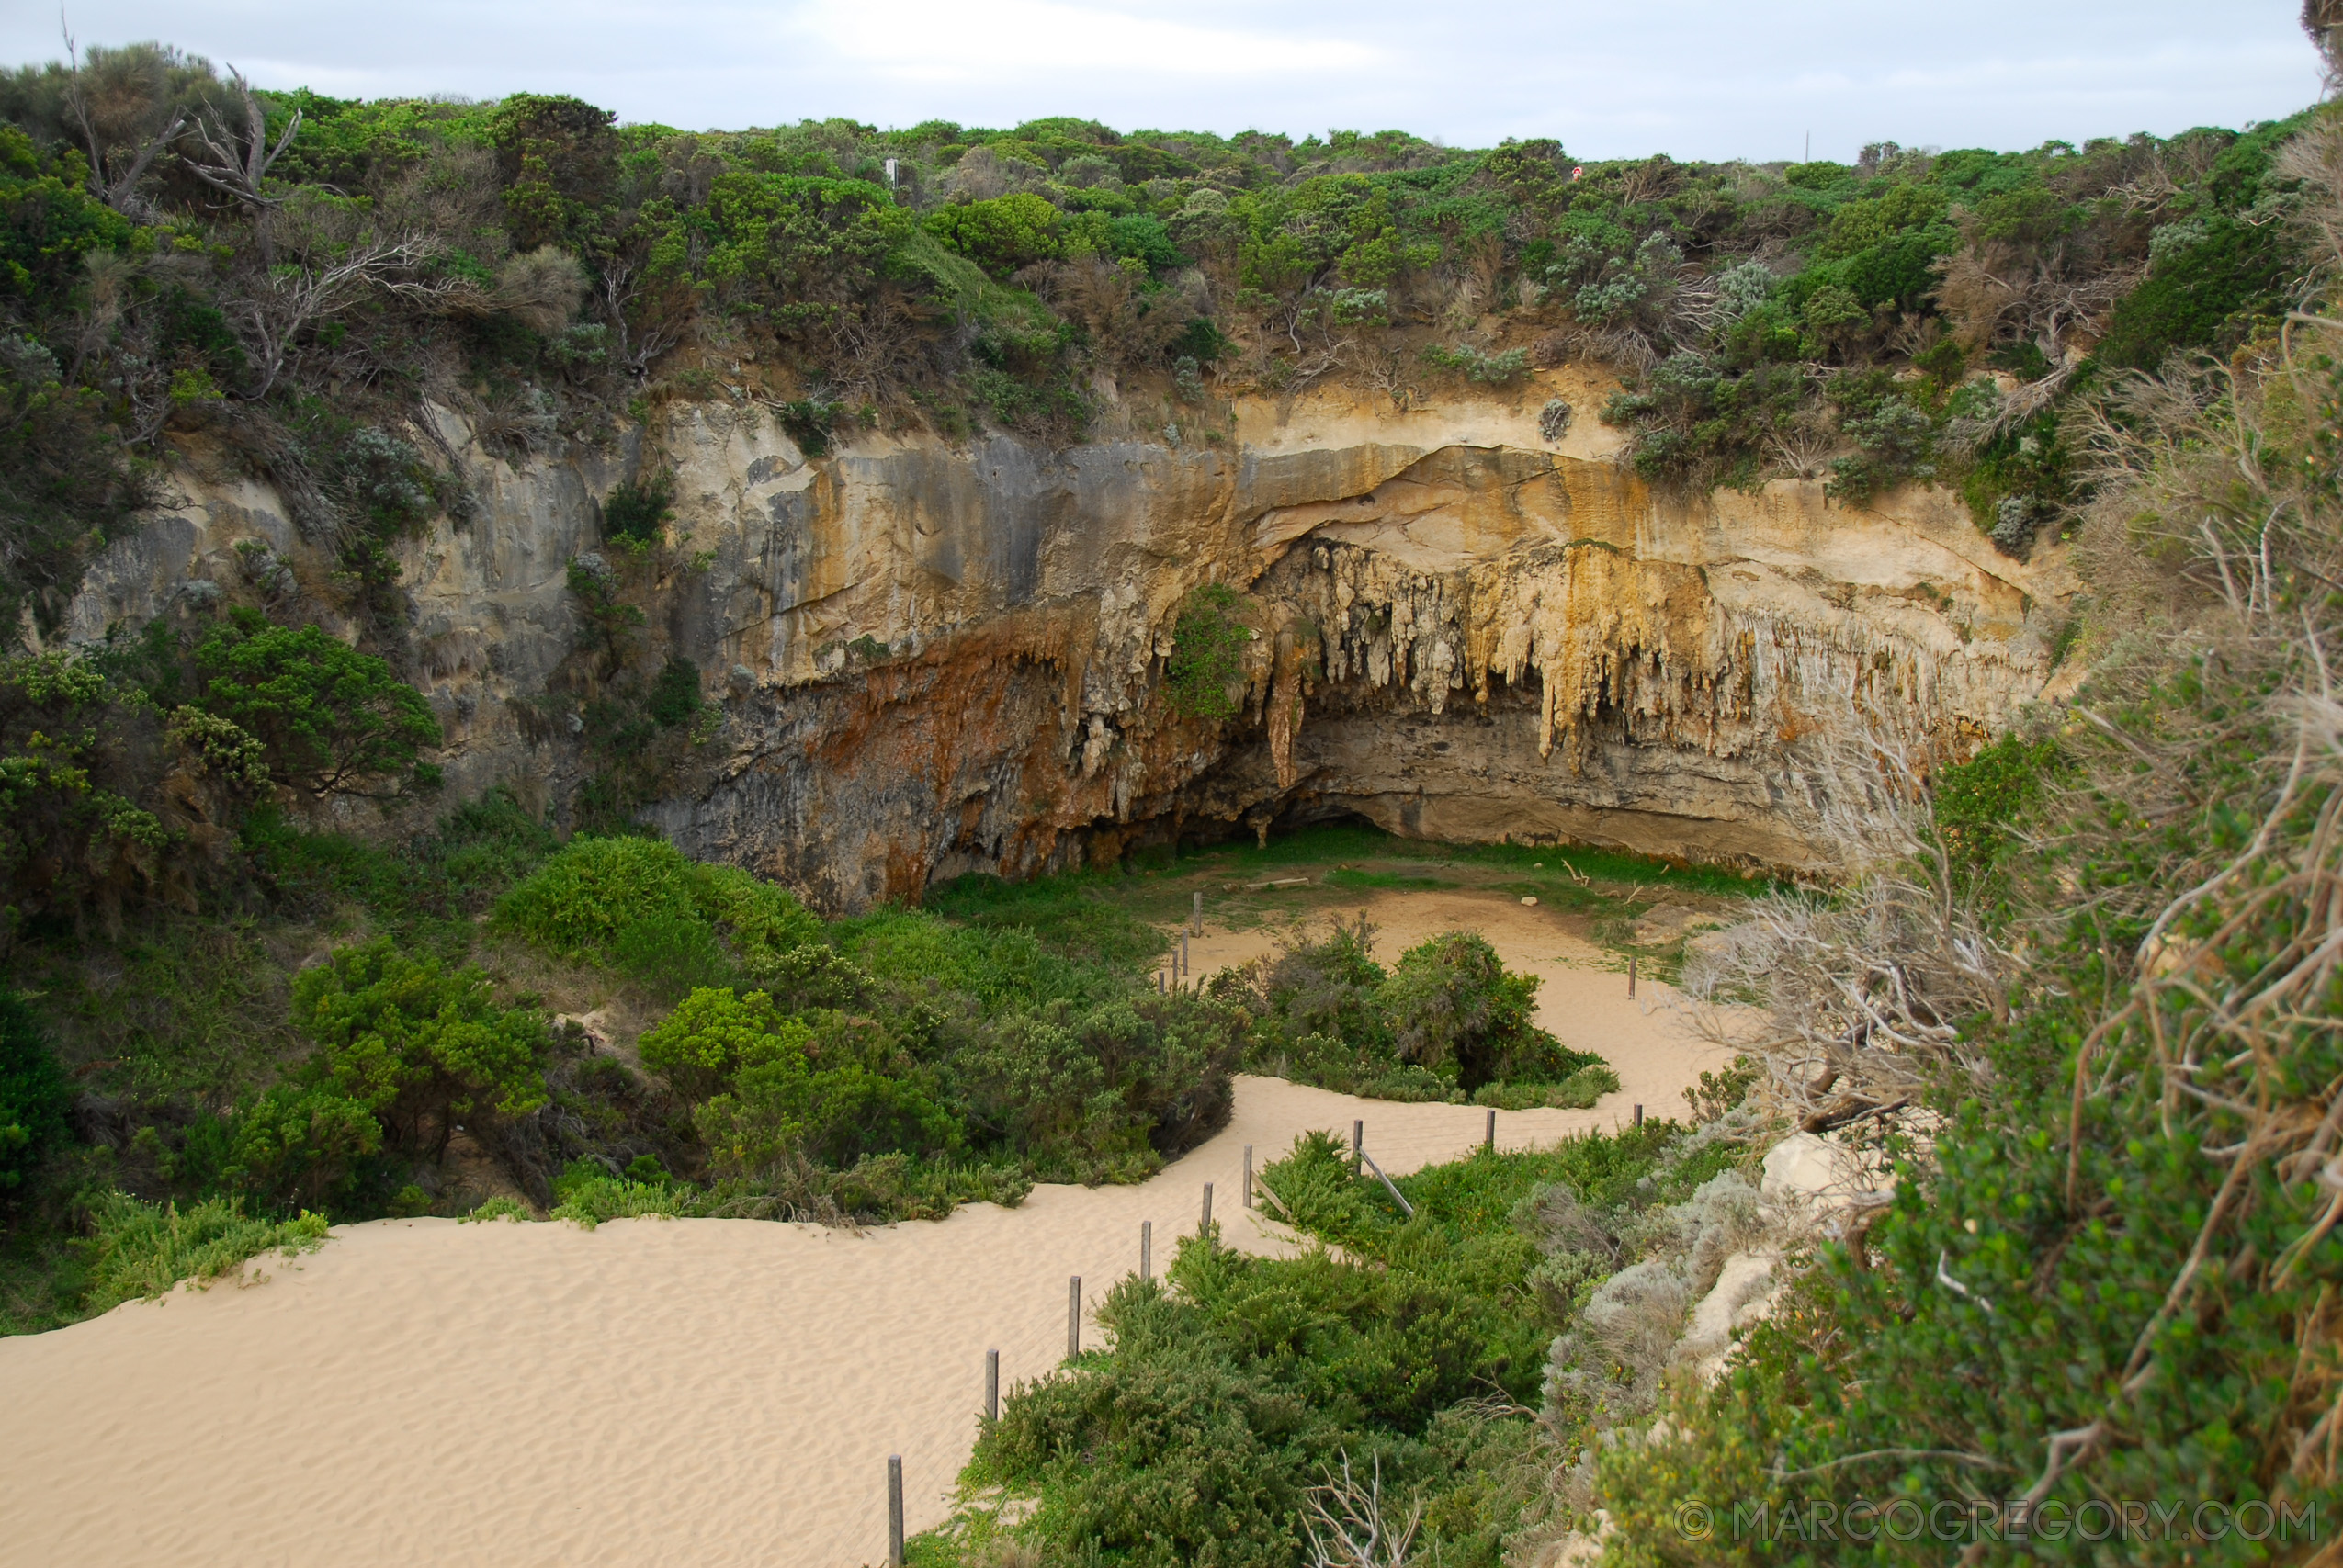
933, 659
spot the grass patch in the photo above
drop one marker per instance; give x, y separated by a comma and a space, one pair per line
1352, 877
1075, 913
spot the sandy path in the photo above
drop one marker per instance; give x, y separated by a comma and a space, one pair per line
698, 1390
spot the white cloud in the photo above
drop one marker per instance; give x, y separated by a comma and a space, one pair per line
1695, 78
954, 40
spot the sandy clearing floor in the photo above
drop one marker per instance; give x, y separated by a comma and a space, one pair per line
661, 1391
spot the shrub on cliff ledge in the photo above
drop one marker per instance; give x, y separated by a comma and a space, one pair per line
1205, 676
332, 719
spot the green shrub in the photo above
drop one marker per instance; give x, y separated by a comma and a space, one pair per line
675, 693
1105, 1091
808, 422
332, 719
1477, 364
1583, 1087
1236, 1385
634, 513
1894, 438
34, 1097
670, 954
138, 1250
1001, 235
501, 1207
1978, 805
1409, 1083
763, 922
1447, 1020
713, 1033
1579, 1092
811, 978
2200, 294
1205, 676
426, 891
912, 956
785, 1107
595, 1199
1458, 1011
417, 1045
296, 1145
879, 1190
1320, 999
582, 901
776, 1092
1698, 421
1064, 912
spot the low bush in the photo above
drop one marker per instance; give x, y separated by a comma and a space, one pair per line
669, 921
1447, 1021
295, 1146
416, 1044
1062, 912
1477, 364
589, 1199
427, 891
837, 1115
1237, 1389
138, 1250
635, 513
1103, 1092
913, 956
1579, 1092
879, 1189
713, 1033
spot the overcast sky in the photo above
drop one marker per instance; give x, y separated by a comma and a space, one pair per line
1695, 78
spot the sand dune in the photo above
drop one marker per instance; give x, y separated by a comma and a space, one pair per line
697, 1392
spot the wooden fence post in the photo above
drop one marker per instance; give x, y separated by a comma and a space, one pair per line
1249, 1176
1631, 976
1146, 1249
1073, 1317
894, 1511
1358, 1145
1489, 1139
992, 1385
1207, 1224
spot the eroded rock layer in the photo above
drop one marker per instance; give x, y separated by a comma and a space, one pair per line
933, 659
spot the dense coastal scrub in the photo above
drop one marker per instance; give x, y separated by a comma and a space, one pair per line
1447, 1021
341, 1021
1219, 1422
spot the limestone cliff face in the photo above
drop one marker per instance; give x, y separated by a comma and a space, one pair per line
933, 659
